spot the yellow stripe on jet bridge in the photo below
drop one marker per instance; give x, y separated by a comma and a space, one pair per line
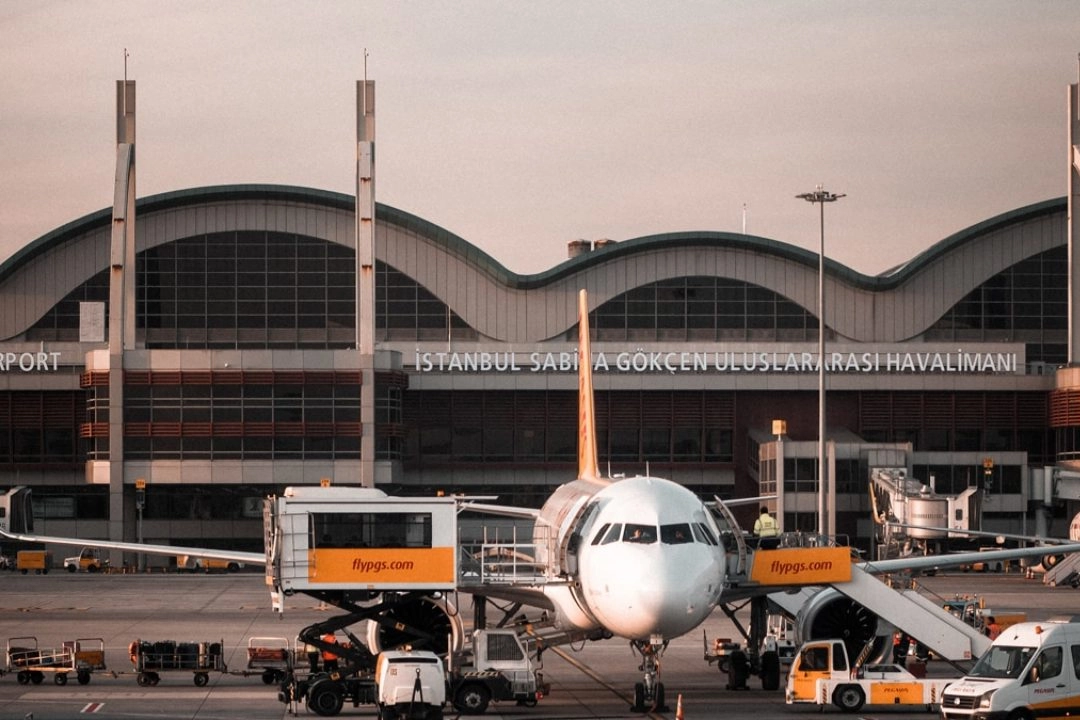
802, 566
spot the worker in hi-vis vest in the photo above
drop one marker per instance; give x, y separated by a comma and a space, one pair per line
765, 526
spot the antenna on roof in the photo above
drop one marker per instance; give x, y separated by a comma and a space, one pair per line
744, 218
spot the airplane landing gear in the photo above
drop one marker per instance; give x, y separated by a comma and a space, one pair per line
649, 695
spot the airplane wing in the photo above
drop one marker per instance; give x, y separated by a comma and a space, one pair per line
928, 562
984, 533
251, 558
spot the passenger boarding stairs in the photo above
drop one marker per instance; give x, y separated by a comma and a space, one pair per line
1065, 572
906, 609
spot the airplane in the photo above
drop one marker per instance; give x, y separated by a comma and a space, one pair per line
640, 558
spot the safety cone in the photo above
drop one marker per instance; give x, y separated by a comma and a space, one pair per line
678, 708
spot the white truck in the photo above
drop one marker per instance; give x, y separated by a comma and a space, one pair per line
1032, 670
501, 668
88, 560
821, 673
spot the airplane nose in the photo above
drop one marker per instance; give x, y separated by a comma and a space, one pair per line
658, 598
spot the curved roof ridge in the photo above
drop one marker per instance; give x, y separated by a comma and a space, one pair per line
460, 247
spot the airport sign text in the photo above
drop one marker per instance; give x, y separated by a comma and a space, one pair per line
29, 361
643, 361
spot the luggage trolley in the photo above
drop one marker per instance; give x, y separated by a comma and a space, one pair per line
152, 658
30, 663
270, 656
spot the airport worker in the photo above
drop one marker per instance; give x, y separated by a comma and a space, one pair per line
765, 525
992, 628
329, 658
312, 657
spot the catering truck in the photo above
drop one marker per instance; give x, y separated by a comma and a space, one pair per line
821, 673
1031, 670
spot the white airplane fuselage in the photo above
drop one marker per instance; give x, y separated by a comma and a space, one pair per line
648, 561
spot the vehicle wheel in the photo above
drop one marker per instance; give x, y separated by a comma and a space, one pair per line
1021, 714
154, 679
849, 698
37, 677
658, 701
232, 567
83, 678
92, 569
435, 713
60, 679
71, 568
143, 679
201, 679
325, 698
269, 677
639, 698
23, 677
472, 699
770, 670
24, 571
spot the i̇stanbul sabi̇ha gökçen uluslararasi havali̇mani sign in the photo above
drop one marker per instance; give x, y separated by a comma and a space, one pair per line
749, 361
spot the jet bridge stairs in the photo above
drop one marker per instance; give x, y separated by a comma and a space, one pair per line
905, 609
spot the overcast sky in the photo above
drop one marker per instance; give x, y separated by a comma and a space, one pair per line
523, 125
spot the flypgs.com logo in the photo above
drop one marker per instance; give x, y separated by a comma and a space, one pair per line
374, 567
796, 568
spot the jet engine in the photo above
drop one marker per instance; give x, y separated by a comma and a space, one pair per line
830, 614
424, 623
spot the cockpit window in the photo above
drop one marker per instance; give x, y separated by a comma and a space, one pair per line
639, 533
600, 533
676, 534
612, 535
703, 534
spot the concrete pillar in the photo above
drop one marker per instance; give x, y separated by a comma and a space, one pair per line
365, 273
1073, 195
121, 297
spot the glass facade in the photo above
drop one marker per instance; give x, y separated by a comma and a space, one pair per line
1027, 303
701, 308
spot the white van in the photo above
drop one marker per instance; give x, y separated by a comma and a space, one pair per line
1032, 670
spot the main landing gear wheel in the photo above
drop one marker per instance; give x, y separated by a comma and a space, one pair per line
849, 698
770, 670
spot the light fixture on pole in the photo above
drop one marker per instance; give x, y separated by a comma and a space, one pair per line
821, 196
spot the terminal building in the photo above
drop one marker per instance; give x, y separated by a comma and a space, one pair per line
168, 362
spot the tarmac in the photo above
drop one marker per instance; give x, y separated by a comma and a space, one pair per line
591, 681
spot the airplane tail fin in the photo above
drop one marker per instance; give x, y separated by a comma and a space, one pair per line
587, 456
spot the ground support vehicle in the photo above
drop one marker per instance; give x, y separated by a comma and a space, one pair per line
36, 560
150, 659
192, 563
410, 685
269, 657
777, 652
31, 663
1031, 670
498, 667
822, 674
88, 560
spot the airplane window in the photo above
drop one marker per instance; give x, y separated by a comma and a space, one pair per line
639, 533
612, 534
676, 534
600, 534
706, 533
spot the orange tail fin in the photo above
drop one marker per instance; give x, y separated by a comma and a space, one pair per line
587, 462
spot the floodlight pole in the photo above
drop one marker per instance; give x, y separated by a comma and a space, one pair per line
820, 196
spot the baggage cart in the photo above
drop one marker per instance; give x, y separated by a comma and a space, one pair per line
31, 663
270, 657
150, 659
